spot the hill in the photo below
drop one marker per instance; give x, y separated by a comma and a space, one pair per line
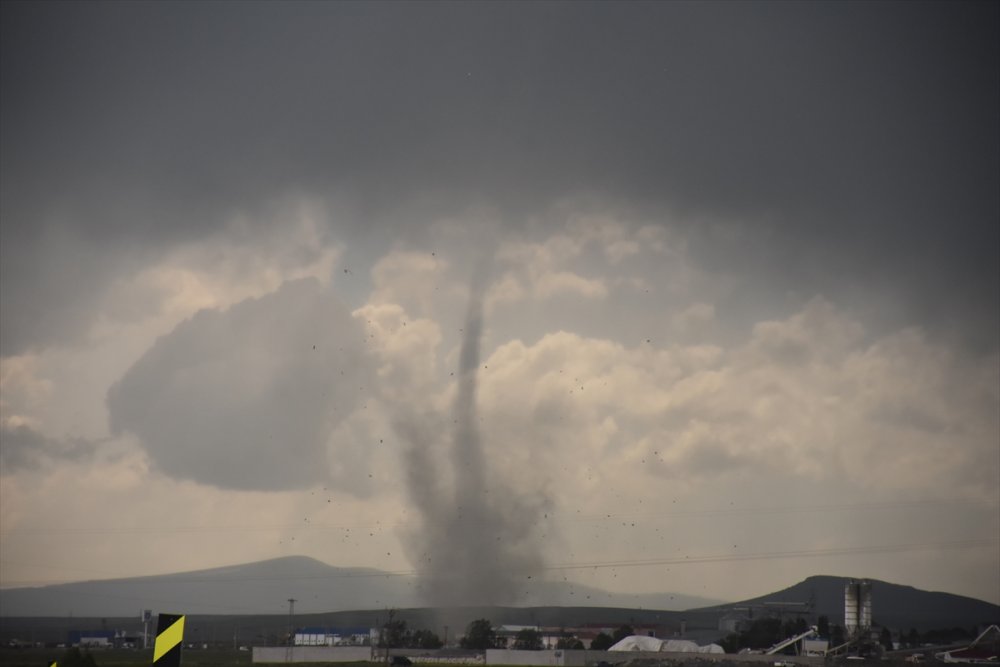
893, 605
264, 587
899, 607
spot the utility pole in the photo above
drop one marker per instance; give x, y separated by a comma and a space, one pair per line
291, 629
389, 627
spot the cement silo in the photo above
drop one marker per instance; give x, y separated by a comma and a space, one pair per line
858, 608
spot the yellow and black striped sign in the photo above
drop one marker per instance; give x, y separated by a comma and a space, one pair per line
53, 664
169, 638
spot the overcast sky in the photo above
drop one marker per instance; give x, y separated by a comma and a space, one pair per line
735, 267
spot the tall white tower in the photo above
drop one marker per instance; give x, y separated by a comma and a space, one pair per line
858, 608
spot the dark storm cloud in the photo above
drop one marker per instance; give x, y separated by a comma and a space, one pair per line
248, 397
854, 140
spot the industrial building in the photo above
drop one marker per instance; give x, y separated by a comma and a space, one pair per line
316, 636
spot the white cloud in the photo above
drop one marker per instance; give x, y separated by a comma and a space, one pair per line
244, 260
805, 396
561, 283
694, 320
582, 260
405, 347
22, 389
619, 250
412, 280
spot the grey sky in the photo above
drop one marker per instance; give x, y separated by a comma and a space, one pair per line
859, 137
771, 227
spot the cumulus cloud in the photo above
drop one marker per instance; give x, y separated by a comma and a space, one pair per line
591, 254
21, 389
411, 280
405, 347
809, 391
246, 398
25, 447
563, 282
246, 258
693, 320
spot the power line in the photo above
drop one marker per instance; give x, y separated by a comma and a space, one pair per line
807, 553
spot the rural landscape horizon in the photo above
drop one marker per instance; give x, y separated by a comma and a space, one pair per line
257, 588
351, 628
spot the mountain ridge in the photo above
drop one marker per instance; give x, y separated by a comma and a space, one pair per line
263, 587
226, 601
